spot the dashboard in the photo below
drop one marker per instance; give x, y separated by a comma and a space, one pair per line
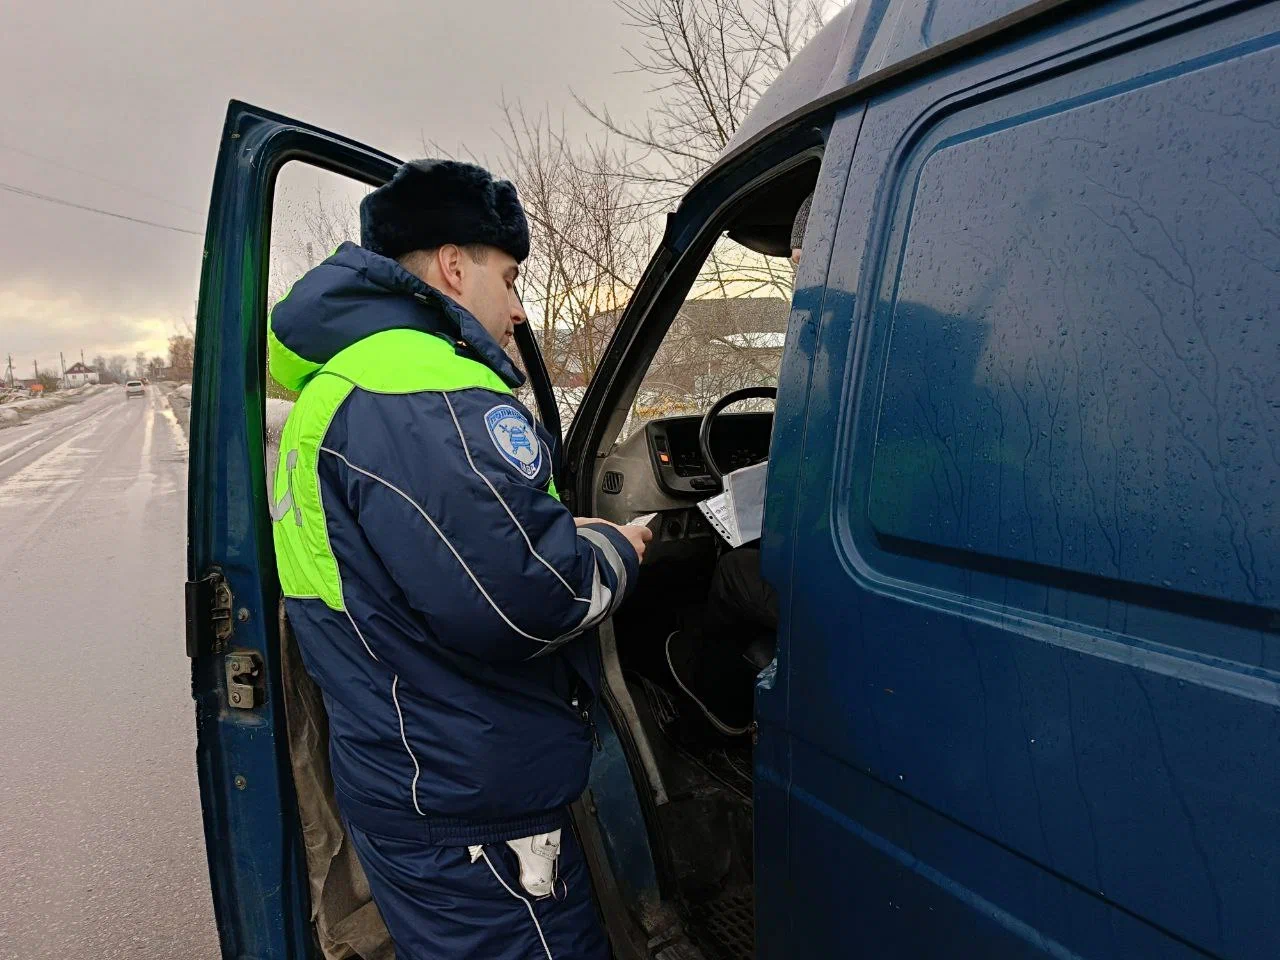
659, 467
737, 440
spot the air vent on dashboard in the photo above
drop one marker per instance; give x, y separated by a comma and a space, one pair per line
612, 482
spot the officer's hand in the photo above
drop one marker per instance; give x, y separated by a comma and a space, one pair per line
636, 536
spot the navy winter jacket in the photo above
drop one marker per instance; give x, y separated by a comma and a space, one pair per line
440, 593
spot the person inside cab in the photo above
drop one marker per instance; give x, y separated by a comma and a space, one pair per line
715, 663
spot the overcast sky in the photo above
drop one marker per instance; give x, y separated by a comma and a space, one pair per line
134, 93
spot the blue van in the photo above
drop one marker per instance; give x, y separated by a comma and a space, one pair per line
1021, 516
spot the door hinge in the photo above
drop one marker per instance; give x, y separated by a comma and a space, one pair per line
244, 680
209, 622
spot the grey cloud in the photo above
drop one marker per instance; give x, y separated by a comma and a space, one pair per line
135, 92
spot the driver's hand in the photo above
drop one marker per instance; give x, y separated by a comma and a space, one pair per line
638, 537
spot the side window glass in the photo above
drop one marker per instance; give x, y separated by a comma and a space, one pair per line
313, 212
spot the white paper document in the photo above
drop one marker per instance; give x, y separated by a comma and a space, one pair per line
737, 514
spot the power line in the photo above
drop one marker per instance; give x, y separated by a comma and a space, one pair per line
32, 195
86, 173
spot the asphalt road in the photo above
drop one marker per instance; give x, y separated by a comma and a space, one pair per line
101, 845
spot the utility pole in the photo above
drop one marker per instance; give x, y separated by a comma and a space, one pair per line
36, 364
64, 368
10, 374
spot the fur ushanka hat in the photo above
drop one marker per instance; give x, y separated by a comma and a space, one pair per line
429, 203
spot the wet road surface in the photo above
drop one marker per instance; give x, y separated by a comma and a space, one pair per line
101, 843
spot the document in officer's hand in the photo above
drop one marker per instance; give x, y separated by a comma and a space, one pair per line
738, 513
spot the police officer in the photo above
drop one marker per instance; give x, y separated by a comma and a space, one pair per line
437, 587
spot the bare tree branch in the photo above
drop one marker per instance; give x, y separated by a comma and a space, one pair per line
713, 59
596, 207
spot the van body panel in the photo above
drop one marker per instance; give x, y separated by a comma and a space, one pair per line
1044, 718
871, 37
811, 301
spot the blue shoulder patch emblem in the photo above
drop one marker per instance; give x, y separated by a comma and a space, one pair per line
515, 439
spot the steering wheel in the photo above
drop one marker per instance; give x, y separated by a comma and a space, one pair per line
704, 432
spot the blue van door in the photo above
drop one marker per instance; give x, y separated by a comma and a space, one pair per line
1030, 581
253, 834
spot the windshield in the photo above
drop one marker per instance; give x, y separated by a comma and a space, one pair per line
728, 334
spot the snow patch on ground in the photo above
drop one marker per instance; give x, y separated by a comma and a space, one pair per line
20, 411
179, 397
277, 412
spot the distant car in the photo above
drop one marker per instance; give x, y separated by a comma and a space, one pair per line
134, 388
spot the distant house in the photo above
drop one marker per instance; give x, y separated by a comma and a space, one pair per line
724, 337
78, 375
715, 345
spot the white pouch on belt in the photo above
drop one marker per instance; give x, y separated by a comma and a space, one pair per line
537, 855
